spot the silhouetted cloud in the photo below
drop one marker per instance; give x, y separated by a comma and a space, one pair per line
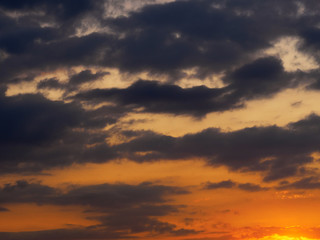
303, 184
63, 234
280, 152
29, 119
222, 184
162, 98
261, 78
203, 37
249, 187
3, 209
50, 83
39, 133
85, 76
127, 209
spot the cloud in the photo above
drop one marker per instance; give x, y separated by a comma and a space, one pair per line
3, 209
153, 40
212, 39
62, 234
279, 152
304, 184
103, 196
86, 76
30, 119
75, 80
139, 220
38, 133
249, 187
24, 192
121, 209
162, 98
63, 10
167, 40
262, 78
50, 83
36, 129
222, 184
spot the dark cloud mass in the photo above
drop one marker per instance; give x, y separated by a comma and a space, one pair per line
127, 209
37, 133
31, 119
162, 98
159, 38
31, 142
281, 152
261, 78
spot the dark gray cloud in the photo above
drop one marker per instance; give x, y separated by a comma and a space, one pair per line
142, 219
117, 196
311, 37
50, 83
24, 192
85, 76
262, 78
103, 196
159, 38
37, 133
212, 39
30, 119
3, 209
32, 143
121, 209
68, 8
222, 184
302, 184
62, 234
249, 187
280, 152
162, 98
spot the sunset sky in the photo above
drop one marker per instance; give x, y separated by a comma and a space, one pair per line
159, 119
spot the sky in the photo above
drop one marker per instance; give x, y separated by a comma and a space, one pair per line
159, 119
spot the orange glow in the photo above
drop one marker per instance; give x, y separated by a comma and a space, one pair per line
279, 237
30, 217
